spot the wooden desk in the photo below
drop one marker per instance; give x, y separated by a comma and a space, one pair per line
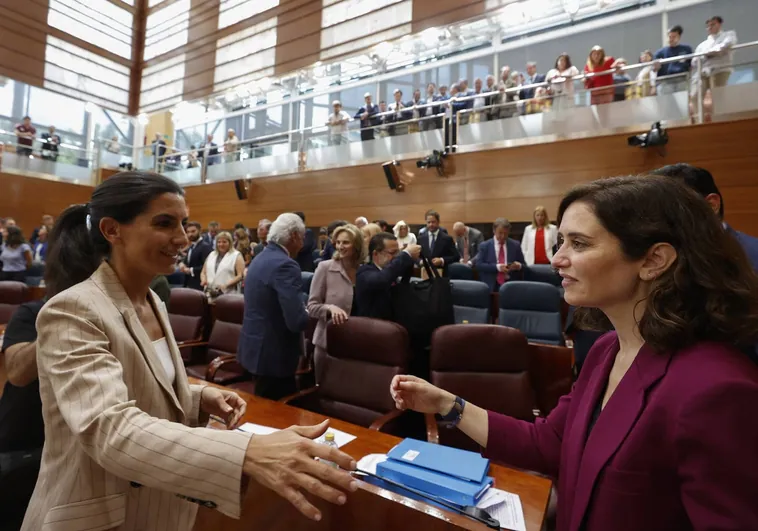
370, 508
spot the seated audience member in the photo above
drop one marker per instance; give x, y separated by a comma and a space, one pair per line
403, 234
15, 254
162, 288
369, 231
540, 238
197, 253
436, 245
600, 85
222, 272
703, 183
467, 241
22, 431
658, 432
47, 221
275, 315
242, 245
360, 222
374, 280
499, 256
125, 430
264, 226
328, 251
39, 249
383, 225
305, 257
332, 295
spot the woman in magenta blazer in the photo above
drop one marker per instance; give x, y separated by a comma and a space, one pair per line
332, 294
660, 431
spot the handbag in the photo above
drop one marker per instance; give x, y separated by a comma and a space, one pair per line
422, 307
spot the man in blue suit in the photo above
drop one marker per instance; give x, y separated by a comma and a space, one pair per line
275, 316
499, 257
702, 182
532, 77
367, 116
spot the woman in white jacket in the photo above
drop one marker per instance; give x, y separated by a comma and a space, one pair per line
222, 271
539, 238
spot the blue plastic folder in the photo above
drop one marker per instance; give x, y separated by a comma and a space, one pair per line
450, 461
456, 476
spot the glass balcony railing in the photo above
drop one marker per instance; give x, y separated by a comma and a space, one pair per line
559, 108
66, 163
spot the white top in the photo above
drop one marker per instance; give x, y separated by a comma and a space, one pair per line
335, 125
561, 82
408, 240
221, 275
527, 242
164, 355
724, 40
647, 76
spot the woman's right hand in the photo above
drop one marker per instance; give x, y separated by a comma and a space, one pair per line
410, 392
284, 462
338, 314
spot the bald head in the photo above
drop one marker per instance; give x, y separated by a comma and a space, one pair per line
459, 228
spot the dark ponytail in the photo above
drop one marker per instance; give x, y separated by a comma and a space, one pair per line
74, 251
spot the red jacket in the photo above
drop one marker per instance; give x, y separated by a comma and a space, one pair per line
675, 448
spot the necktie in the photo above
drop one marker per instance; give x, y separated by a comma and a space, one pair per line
465, 249
434, 239
189, 253
501, 260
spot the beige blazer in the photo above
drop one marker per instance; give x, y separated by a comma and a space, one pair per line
120, 446
330, 285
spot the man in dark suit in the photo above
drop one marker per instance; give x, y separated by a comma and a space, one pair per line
275, 316
531, 78
47, 221
210, 236
305, 256
467, 241
366, 115
436, 245
264, 226
374, 280
197, 253
208, 152
499, 256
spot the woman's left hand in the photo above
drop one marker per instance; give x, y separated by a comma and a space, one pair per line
224, 404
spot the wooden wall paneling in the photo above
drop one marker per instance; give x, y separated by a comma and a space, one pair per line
138, 51
506, 182
27, 199
198, 81
31, 10
434, 13
298, 41
22, 49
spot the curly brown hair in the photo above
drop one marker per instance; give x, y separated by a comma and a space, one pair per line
710, 292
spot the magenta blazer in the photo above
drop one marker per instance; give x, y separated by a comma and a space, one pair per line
676, 447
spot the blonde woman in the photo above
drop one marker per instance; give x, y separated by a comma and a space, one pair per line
403, 234
222, 271
539, 238
332, 293
369, 231
242, 244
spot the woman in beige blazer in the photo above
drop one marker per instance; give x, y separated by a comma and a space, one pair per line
333, 287
124, 444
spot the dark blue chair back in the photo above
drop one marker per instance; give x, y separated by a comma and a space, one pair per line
460, 272
534, 308
471, 301
307, 279
542, 273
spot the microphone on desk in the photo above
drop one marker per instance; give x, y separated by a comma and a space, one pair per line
475, 513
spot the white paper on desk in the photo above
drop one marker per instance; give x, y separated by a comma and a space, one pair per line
368, 463
340, 437
257, 429
505, 507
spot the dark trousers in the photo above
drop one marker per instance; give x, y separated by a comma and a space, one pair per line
18, 476
367, 134
17, 276
274, 388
